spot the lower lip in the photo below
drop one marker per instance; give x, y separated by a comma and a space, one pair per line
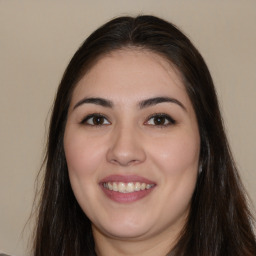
126, 197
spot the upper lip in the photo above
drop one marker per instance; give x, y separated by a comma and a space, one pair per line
126, 179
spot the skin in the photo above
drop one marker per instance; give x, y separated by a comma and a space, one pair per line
129, 141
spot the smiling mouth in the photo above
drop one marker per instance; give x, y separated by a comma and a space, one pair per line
126, 188
129, 187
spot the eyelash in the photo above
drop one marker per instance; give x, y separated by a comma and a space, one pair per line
168, 120
92, 116
164, 117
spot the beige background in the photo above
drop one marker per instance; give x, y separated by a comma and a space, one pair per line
38, 38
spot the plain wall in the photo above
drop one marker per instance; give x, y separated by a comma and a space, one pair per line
38, 38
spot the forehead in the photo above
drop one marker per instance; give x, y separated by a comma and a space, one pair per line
131, 74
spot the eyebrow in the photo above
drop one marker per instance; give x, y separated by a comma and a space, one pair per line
157, 100
143, 104
97, 101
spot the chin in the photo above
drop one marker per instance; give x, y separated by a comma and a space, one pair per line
124, 230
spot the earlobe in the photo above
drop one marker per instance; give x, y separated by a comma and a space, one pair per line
200, 168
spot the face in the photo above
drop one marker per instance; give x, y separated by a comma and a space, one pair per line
132, 146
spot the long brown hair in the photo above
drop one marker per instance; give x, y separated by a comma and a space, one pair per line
219, 223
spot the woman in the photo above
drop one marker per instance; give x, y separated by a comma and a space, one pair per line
138, 162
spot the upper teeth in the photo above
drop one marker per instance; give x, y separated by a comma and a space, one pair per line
127, 187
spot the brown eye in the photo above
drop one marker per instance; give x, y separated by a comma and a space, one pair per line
160, 120
96, 120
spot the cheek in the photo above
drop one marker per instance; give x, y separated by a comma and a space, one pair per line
177, 158
176, 155
83, 157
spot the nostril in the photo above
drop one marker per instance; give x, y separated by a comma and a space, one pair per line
124, 162
125, 158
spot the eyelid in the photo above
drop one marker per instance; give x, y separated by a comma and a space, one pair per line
171, 121
89, 116
167, 117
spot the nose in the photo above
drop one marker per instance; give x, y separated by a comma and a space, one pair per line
126, 147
